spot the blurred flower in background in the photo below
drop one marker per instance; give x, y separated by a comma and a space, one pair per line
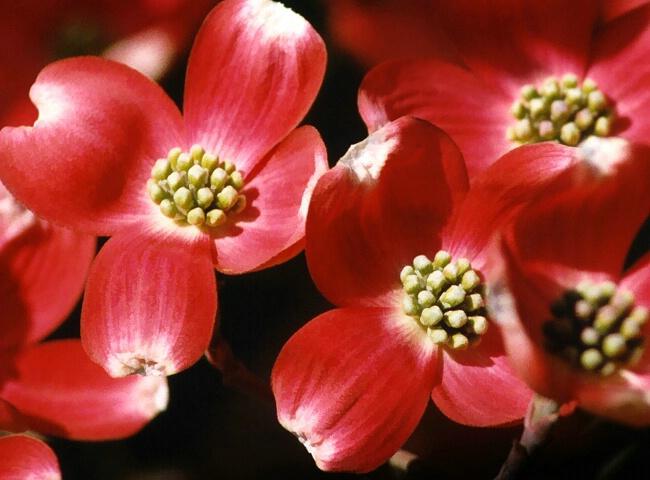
148, 35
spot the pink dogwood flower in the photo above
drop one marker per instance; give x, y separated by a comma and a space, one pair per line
223, 186
23, 457
53, 387
524, 72
147, 35
575, 322
399, 244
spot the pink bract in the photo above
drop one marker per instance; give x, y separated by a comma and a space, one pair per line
144, 34
53, 387
353, 383
500, 50
582, 232
26, 457
151, 301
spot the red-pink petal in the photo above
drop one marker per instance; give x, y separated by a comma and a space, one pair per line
590, 224
462, 104
23, 457
511, 45
150, 304
479, 387
60, 391
620, 68
10, 418
43, 273
384, 203
352, 385
612, 9
86, 160
500, 192
253, 73
271, 228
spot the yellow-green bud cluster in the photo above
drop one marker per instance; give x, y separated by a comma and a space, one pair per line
596, 327
560, 110
446, 298
196, 187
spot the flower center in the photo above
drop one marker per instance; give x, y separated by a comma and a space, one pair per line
196, 188
15, 218
596, 328
560, 110
446, 298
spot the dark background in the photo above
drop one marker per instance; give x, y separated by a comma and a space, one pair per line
213, 432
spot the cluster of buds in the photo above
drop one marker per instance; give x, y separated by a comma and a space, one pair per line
196, 187
560, 110
447, 299
596, 327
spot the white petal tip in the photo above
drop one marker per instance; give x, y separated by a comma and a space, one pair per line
602, 154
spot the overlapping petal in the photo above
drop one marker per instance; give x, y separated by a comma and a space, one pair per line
43, 274
101, 127
271, 228
150, 304
620, 68
470, 110
253, 73
353, 384
385, 202
500, 192
23, 457
478, 386
59, 391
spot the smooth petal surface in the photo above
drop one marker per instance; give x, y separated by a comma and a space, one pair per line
59, 391
10, 418
26, 458
150, 304
352, 385
478, 386
515, 180
253, 73
462, 104
384, 203
510, 43
620, 68
86, 160
42, 275
591, 223
271, 229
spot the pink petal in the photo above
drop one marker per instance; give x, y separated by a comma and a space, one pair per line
440, 93
516, 179
11, 419
620, 68
384, 203
622, 397
520, 298
271, 228
351, 397
612, 9
590, 224
150, 304
518, 41
43, 274
86, 160
377, 31
23, 457
479, 387
253, 73
59, 391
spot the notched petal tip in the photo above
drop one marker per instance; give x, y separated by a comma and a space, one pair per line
603, 154
280, 23
131, 363
366, 159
